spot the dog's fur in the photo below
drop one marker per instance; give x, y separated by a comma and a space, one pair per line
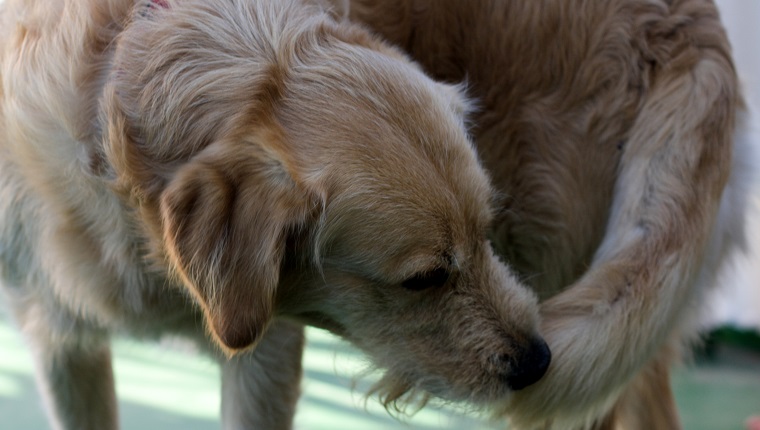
608, 124
244, 167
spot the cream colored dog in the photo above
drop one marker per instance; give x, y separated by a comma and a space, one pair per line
608, 125
260, 165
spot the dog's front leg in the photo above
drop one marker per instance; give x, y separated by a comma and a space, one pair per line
75, 379
260, 389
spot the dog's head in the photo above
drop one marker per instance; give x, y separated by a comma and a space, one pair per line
323, 178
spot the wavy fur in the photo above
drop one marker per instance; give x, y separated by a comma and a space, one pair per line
609, 127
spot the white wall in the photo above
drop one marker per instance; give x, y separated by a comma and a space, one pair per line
737, 298
742, 20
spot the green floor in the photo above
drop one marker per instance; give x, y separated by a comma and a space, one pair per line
168, 387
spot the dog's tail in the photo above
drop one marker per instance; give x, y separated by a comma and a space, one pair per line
735, 248
608, 326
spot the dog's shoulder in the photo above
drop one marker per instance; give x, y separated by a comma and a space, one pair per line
63, 232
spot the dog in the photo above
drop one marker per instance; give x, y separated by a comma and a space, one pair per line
229, 171
610, 128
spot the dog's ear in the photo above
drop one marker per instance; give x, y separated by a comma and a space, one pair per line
225, 219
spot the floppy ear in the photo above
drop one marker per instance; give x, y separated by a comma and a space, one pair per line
225, 217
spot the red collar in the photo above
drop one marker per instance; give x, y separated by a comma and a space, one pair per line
153, 4
150, 6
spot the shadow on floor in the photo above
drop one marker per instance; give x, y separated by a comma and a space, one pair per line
170, 388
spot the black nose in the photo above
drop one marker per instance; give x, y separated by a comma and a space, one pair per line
527, 368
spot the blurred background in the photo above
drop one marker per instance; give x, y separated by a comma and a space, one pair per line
168, 386
737, 302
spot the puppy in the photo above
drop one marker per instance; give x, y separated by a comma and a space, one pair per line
239, 168
608, 126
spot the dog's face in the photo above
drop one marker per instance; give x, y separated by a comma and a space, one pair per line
399, 261
339, 189
412, 281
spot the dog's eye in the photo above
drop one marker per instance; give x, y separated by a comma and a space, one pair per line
431, 279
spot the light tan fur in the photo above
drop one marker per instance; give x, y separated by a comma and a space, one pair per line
240, 168
608, 128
